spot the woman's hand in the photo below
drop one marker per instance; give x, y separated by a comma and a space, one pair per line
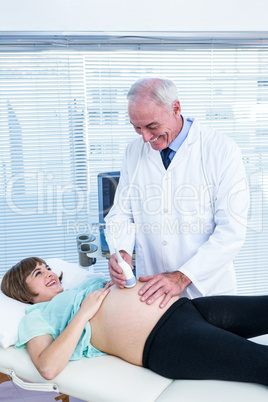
108, 284
93, 301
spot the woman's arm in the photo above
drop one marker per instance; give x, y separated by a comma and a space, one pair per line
51, 356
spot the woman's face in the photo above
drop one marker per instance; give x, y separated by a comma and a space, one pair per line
44, 282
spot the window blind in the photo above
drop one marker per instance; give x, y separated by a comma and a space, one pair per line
64, 119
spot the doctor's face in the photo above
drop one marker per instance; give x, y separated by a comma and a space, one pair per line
44, 282
155, 123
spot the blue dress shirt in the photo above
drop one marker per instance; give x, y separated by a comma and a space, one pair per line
177, 142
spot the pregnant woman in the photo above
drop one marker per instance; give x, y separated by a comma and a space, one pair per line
204, 338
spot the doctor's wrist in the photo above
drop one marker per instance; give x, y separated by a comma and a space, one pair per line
180, 278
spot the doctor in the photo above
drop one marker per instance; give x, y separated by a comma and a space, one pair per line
182, 200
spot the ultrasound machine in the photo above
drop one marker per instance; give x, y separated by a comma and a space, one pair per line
107, 184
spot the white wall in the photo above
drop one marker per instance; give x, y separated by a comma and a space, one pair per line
133, 15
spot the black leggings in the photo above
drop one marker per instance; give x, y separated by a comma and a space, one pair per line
206, 338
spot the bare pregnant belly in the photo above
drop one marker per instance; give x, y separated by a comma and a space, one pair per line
123, 323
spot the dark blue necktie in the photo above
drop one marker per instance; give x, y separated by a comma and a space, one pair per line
165, 156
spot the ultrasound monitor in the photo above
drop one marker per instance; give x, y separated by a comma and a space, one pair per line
107, 184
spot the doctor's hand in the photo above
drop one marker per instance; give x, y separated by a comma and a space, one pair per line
169, 284
115, 271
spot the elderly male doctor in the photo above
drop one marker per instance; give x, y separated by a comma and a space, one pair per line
182, 201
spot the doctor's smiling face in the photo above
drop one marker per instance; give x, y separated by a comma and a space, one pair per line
154, 122
44, 283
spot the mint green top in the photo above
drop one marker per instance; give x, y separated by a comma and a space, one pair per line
53, 317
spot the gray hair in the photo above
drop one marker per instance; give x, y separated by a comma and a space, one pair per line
161, 91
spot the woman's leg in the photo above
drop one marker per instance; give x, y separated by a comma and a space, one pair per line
246, 316
183, 345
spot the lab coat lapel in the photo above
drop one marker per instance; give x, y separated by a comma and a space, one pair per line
155, 157
185, 148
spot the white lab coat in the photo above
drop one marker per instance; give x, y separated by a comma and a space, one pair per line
168, 214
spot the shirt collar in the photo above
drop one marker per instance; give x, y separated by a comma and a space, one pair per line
176, 143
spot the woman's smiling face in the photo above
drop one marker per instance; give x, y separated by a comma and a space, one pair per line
44, 283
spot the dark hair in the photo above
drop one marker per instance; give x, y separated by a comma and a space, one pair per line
14, 281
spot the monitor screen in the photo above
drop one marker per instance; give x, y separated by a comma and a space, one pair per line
107, 184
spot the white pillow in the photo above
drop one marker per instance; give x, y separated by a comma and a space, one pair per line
12, 311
